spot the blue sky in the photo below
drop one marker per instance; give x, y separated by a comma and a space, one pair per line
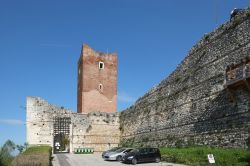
40, 44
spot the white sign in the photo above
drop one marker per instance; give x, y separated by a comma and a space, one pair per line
210, 158
57, 144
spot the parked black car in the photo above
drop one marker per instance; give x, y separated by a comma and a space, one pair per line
142, 155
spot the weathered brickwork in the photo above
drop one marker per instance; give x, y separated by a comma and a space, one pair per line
97, 81
94, 130
191, 106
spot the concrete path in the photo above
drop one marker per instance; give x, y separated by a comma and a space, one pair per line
94, 160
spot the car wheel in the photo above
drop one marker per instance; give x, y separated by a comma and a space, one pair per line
157, 159
119, 158
134, 161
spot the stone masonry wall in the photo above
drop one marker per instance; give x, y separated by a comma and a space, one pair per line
94, 130
191, 106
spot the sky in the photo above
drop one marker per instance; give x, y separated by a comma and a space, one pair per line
40, 43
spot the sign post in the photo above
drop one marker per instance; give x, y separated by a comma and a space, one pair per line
211, 159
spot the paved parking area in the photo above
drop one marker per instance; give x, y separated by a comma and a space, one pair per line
94, 160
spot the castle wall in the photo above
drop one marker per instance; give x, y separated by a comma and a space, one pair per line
94, 130
39, 121
191, 106
92, 97
100, 131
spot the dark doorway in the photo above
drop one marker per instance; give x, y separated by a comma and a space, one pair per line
61, 134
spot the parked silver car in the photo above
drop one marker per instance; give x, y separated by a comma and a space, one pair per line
110, 150
117, 155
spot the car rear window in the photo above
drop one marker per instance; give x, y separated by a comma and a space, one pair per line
120, 150
128, 150
135, 151
143, 150
115, 148
151, 150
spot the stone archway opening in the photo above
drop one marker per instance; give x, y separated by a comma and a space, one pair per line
61, 134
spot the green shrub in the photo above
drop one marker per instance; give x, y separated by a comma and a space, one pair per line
197, 156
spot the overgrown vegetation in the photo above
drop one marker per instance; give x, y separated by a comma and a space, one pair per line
197, 156
33, 156
129, 142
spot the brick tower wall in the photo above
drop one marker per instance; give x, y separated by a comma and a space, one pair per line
97, 84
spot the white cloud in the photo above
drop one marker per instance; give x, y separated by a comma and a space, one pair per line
125, 98
54, 45
11, 122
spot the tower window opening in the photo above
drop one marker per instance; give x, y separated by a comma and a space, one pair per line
101, 65
101, 87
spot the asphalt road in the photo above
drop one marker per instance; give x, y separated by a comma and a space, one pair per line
93, 160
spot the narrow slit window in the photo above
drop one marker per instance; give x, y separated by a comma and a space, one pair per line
101, 65
100, 87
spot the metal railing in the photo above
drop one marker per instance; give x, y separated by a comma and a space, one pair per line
84, 150
237, 72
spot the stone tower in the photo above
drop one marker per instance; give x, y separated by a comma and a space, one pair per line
97, 81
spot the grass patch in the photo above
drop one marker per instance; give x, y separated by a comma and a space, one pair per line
34, 156
37, 149
197, 156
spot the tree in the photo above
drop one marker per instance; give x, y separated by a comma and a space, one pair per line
5, 153
65, 143
8, 146
20, 148
26, 145
1, 157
